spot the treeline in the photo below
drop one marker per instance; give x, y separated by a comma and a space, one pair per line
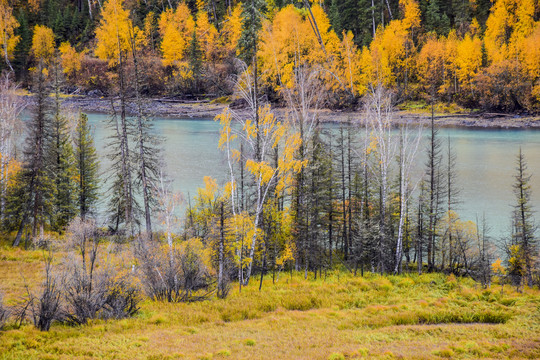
479, 54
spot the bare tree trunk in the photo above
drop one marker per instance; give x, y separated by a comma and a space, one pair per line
141, 140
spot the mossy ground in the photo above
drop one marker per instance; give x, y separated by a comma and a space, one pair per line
338, 316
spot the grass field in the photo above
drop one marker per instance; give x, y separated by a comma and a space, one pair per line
336, 317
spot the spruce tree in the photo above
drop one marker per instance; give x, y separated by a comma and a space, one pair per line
62, 164
195, 61
36, 184
87, 167
523, 223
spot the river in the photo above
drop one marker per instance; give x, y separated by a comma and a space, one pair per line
486, 161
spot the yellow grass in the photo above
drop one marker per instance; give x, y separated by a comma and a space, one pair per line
337, 317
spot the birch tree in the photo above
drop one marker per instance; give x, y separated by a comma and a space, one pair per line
11, 107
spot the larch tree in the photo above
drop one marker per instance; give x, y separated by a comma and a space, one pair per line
468, 61
11, 107
176, 29
71, 60
8, 25
114, 43
231, 31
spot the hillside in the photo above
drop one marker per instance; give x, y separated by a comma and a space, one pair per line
479, 54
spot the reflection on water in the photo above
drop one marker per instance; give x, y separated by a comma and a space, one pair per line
485, 162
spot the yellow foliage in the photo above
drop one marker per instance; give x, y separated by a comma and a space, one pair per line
231, 31
71, 59
498, 268
289, 42
12, 168
226, 136
176, 28
530, 58
43, 43
430, 64
391, 51
468, 60
509, 22
8, 25
516, 261
149, 23
208, 193
116, 36
207, 36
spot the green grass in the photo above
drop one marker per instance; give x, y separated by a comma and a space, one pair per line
337, 317
422, 107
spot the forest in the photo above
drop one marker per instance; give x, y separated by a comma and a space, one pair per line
309, 218
478, 54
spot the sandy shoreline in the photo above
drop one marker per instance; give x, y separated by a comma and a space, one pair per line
206, 110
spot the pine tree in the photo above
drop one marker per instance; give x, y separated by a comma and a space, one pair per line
37, 187
195, 61
436, 19
252, 16
62, 163
523, 237
87, 167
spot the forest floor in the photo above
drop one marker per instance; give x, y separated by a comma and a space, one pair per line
414, 113
337, 316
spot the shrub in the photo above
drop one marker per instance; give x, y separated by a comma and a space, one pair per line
47, 307
123, 298
92, 293
336, 356
4, 312
173, 273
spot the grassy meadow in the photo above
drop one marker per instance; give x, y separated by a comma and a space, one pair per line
338, 316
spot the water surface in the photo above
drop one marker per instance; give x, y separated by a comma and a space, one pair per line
486, 162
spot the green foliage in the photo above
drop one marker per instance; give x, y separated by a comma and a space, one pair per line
63, 167
87, 167
436, 19
252, 14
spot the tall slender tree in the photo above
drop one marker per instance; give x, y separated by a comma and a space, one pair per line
38, 187
524, 227
87, 167
62, 161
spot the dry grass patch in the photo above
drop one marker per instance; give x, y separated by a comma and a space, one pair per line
340, 316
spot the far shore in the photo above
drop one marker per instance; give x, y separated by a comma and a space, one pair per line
178, 109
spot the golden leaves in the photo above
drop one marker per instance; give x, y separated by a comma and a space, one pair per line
8, 25
43, 43
70, 58
116, 36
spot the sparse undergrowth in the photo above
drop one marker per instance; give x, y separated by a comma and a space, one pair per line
339, 317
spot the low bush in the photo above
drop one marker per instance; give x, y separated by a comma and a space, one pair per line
177, 273
4, 312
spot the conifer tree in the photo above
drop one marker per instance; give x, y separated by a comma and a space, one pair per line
36, 185
62, 164
252, 17
87, 167
195, 60
523, 237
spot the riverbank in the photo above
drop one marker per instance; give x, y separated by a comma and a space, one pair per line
208, 110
